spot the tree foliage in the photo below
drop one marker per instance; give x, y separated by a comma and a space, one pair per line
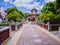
47, 15
57, 17
50, 6
11, 10
14, 14
26, 14
58, 4
49, 11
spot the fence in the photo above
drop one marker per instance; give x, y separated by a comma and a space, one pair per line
16, 26
44, 26
50, 27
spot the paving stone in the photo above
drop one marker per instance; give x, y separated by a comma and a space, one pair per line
35, 36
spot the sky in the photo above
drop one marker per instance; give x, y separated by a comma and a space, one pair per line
24, 5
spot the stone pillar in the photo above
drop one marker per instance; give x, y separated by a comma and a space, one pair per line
49, 27
59, 32
10, 30
16, 26
43, 23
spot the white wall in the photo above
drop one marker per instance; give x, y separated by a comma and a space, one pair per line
2, 12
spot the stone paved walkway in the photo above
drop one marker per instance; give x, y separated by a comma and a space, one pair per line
32, 35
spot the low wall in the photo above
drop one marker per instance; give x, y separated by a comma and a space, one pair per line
4, 34
16, 26
20, 25
52, 27
12, 27
44, 26
40, 25
55, 26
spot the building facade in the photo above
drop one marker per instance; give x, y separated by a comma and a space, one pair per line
2, 14
33, 16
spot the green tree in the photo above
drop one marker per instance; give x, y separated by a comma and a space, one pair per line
11, 10
26, 14
20, 12
49, 6
47, 16
54, 3
57, 17
58, 4
14, 14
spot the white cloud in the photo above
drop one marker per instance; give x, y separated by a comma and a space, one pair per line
41, 6
24, 1
10, 1
6, 0
49, 0
26, 4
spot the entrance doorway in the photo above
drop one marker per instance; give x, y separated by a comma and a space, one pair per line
33, 19
29, 19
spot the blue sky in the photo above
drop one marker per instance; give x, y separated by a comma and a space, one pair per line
24, 5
